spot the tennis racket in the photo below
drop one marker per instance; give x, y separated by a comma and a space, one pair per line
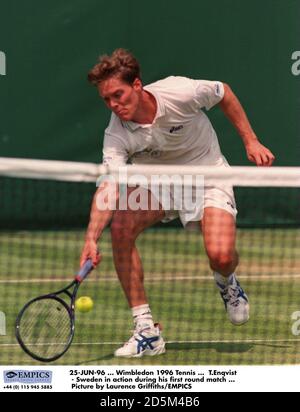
45, 326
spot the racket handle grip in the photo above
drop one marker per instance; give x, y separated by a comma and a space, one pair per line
85, 270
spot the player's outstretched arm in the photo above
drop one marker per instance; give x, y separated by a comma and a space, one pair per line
101, 214
232, 108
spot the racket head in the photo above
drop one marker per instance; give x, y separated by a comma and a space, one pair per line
45, 328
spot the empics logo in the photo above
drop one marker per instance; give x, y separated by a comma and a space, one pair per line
296, 65
2, 63
24, 376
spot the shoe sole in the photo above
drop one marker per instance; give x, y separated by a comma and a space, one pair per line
155, 352
244, 321
240, 323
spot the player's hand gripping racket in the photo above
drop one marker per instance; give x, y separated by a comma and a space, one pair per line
45, 326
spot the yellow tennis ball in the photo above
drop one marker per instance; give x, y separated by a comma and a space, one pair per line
84, 304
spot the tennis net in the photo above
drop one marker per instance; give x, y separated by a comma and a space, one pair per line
44, 213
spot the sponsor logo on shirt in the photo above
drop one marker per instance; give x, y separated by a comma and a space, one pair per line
154, 153
106, 160
230, 204
176, 128
217, 89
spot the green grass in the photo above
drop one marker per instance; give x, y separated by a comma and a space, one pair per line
181, 292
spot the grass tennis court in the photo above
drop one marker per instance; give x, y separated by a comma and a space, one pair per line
181, 292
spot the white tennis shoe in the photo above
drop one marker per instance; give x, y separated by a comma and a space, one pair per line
235, 300
145, 342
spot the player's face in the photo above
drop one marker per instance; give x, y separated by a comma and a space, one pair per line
120, 97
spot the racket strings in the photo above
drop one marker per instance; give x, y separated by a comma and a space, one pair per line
46, 328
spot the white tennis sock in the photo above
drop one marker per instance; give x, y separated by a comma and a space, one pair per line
142, 317
223, 280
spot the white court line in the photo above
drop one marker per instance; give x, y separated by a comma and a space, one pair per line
154, 279
177, 342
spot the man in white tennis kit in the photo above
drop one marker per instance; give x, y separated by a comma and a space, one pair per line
163, 123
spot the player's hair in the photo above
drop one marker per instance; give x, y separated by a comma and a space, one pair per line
121, 63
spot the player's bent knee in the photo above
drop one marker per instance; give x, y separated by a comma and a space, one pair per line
223, 262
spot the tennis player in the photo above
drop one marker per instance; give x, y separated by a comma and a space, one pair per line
164, 123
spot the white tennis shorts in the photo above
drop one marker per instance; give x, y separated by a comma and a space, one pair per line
218, 197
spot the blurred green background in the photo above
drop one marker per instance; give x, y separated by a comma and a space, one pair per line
49, 111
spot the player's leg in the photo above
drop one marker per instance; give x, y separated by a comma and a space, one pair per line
125, 228
219, 233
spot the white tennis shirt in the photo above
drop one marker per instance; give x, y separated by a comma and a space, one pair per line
181, 133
